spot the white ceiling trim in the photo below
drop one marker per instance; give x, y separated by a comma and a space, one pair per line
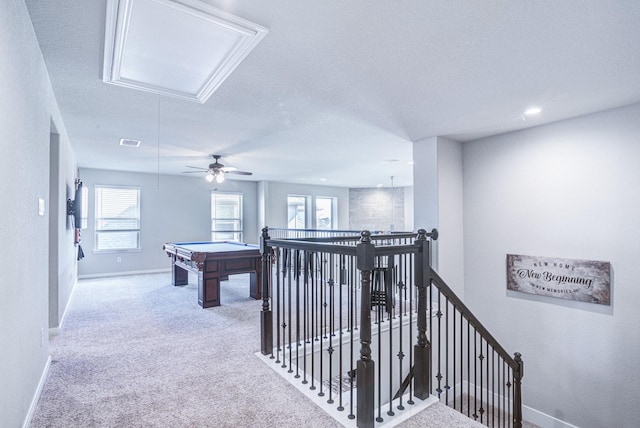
140, 51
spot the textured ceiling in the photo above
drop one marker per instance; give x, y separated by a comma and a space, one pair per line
340, 90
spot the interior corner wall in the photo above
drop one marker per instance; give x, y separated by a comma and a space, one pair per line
408, 209
27, 109
438, 203
450, 214
567, 190
263, 197
63, 271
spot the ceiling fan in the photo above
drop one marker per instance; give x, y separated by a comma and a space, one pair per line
217, 170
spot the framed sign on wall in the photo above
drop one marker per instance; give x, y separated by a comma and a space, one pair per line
581, 280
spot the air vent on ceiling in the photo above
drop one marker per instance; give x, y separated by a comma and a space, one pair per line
183, 49
129, 143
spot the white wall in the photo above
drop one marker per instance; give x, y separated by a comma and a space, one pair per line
567, 190
27, 110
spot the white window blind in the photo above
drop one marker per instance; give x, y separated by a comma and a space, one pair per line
117, 218
226, 216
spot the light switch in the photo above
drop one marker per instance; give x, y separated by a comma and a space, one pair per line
40, 206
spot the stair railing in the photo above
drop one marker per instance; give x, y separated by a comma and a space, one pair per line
367, 313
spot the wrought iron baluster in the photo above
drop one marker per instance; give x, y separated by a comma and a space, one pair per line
297, 269
412, 286
402, 294
446, 350
323, 318
468, 369
330, 349
389, 291
379, 319
439, 373
453, 357
480, 362
281, 290
314, 317
288, 316
341, 284
475, 374
352, 329
305, 317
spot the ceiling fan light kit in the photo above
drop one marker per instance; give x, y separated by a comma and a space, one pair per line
217, 171
217, 175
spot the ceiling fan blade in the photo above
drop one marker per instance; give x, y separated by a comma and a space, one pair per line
197, 167
227, 168
239, 172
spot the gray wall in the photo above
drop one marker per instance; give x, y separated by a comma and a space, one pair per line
172, 208
377, 209
27, 111
567, 190
63, 272
438, 193
274, 195
177, 208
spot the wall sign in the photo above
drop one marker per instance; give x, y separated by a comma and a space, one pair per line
581, 280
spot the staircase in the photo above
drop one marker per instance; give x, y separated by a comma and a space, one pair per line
363, 324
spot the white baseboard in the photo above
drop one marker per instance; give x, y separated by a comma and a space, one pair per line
542, 419
131, 272
36, 396
529, 414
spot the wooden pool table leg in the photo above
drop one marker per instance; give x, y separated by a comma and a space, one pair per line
255, 285
180, 276
208, 289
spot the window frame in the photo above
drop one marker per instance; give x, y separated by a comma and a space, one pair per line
239, 233
97, 219
305, 210
333, 208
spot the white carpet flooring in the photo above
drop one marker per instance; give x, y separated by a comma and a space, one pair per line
134, 351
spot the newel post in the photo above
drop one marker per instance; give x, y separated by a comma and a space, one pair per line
365, 253
422, 349
517, 391
266, 316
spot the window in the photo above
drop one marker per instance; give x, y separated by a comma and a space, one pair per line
117, 218
226, 216
324, 212
296, 212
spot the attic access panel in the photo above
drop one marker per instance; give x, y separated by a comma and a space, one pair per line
182, 49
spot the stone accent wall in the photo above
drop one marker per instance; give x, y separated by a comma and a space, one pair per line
379, 209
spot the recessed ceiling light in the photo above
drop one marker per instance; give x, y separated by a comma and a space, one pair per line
127, 142
323, 179
410, 162
379, 185
532, 111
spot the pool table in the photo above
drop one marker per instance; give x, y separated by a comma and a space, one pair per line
214, 262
